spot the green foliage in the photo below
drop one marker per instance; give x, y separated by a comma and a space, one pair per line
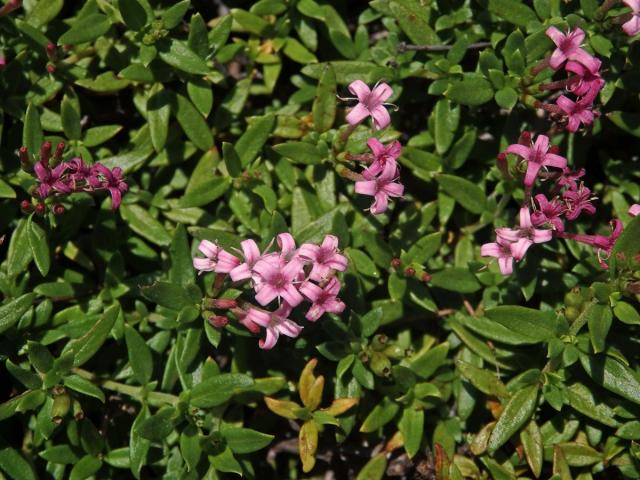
233, 127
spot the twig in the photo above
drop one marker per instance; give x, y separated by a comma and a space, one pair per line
405, 47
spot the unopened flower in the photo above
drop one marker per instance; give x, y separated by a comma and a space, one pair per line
325, 257
569, 47
632, 26
537, 157
216, 259
506, 252
603, 244
324, 299
370, 103
381, 188
634, 210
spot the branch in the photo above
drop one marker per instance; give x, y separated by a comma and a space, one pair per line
405, 47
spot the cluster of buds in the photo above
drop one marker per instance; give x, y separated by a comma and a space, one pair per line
284, 279
380, 179
568, 199
583, 80
56, 178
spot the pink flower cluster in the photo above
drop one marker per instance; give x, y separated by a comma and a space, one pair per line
567, 200
583, 80
380, 179
291, 276
73, 176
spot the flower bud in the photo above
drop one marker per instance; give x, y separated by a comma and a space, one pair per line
395, 263
380, 364
45, 153
51, 68
571, 313
222, 303
25, 206
24, 158
425, 277
59, 151
555, 149
51, 50
60, 408
379, 342
218, 321
58, 209
78, 413
573, 299
40, 209
409, 272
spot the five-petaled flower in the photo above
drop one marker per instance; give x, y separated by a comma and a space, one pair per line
324, 299
537, 157
506, 252
381, 187
325, 257
569, 47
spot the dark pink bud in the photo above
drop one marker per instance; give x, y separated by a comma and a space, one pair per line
66, 48
51, 51
554, 149
58, 209
59, 151
525, 138
425, 277
223, 303
51, 68
395, 263
218, 321
410, 272
25, 206
24, 155
40, 209
45, 153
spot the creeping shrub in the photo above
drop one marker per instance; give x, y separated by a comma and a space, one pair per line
320, 239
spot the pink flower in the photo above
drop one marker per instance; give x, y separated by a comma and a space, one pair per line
251, 253
569, 179
382, 154
277, 280
603, 243
632, 27
370, 103
216, 259
548, 213
585, 80
325, 257
569, 48
505, 252
51, 180
634, 210
578, 112
276, 324
577, 201
526, 231
323, 299
381, 188
252, 319
537, 156
287, 245
112, 180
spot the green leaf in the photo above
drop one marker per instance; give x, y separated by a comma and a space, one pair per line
443, 133
181, 271
39, 244
133, 14
627, 121
13, 310
14, 465
193, 123
531, 440
465, 192
581, 399
178, 55
82, 385
60, 454
411, 425
324, 105
246, 440
44, 11
300, 152
173, 15
157, 427
32, 136
217, 390
224, 461
171, 295
413, 18
626, 313
612, 375
98, 135
513, 11
250, 22
599, 318
19, 257
6, 190
381, 414
158, 113
139, 355
298, 52
140, 221
536, 325
70, 116
516, 413
87, 346
138, 446
86, 29
483, 379
200, 93
205, 192
627, 245
190, 446
348, 71
374, 469
426, 361
471, 91
579, 454
250, 144
456, 280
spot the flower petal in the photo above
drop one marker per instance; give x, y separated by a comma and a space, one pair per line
357, 114
360, 90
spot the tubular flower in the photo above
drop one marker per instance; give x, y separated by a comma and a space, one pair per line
216, 259
578, 201
578, 112
506, 252
548, 213
382, 155
585, 80
526, 231
325, 257
381, 188
370, 103
632, 26
275, 324
324, 299
569, 47
537, 157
